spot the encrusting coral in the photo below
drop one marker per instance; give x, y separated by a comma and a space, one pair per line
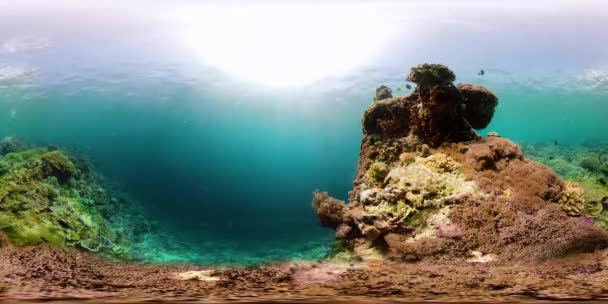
428, 185
47, 196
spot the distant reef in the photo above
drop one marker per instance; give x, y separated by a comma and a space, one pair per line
428, 186
48, 196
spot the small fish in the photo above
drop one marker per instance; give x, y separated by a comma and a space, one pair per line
482, 72
555, 142
408, 86
398, 88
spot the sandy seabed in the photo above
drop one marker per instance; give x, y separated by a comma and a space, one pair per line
34, 274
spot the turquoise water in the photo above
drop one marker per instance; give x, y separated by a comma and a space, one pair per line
225, 167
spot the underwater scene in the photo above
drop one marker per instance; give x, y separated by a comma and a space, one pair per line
303, 151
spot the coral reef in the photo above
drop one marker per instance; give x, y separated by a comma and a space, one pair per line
430, 76
11, 144
49, 197
480, 104
328, 209
383, 92
572, 199
580, 164
428, 185
436, 112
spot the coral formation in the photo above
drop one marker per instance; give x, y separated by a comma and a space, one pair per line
11, 144
429, 76
480, 104
436, 112
428, 185
328, 209
582, 165
572, 199
441, 163
383, 92
51, 197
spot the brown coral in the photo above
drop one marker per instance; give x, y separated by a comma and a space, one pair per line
383, 92
479, 104
328, 209
387, 117
448, 193
512, 230
497, 165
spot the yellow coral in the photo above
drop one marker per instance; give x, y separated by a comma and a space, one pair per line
441, 163
572, 199
407, 158
377, 172
593, 209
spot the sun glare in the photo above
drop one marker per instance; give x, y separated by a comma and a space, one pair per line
285, 45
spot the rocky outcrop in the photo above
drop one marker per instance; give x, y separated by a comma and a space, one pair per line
428, 185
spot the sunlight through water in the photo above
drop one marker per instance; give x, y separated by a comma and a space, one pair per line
285, 45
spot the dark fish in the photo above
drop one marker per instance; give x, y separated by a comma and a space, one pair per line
408, 86
555, 142
482, 72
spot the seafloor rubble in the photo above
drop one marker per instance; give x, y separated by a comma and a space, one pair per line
436, 213
428, 186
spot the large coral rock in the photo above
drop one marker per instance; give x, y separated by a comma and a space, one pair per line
480, 104
427, 185
328, 209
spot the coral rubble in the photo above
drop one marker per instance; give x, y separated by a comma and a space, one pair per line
50, 197
428, 185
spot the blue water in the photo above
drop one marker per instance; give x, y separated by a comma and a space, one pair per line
226, 167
